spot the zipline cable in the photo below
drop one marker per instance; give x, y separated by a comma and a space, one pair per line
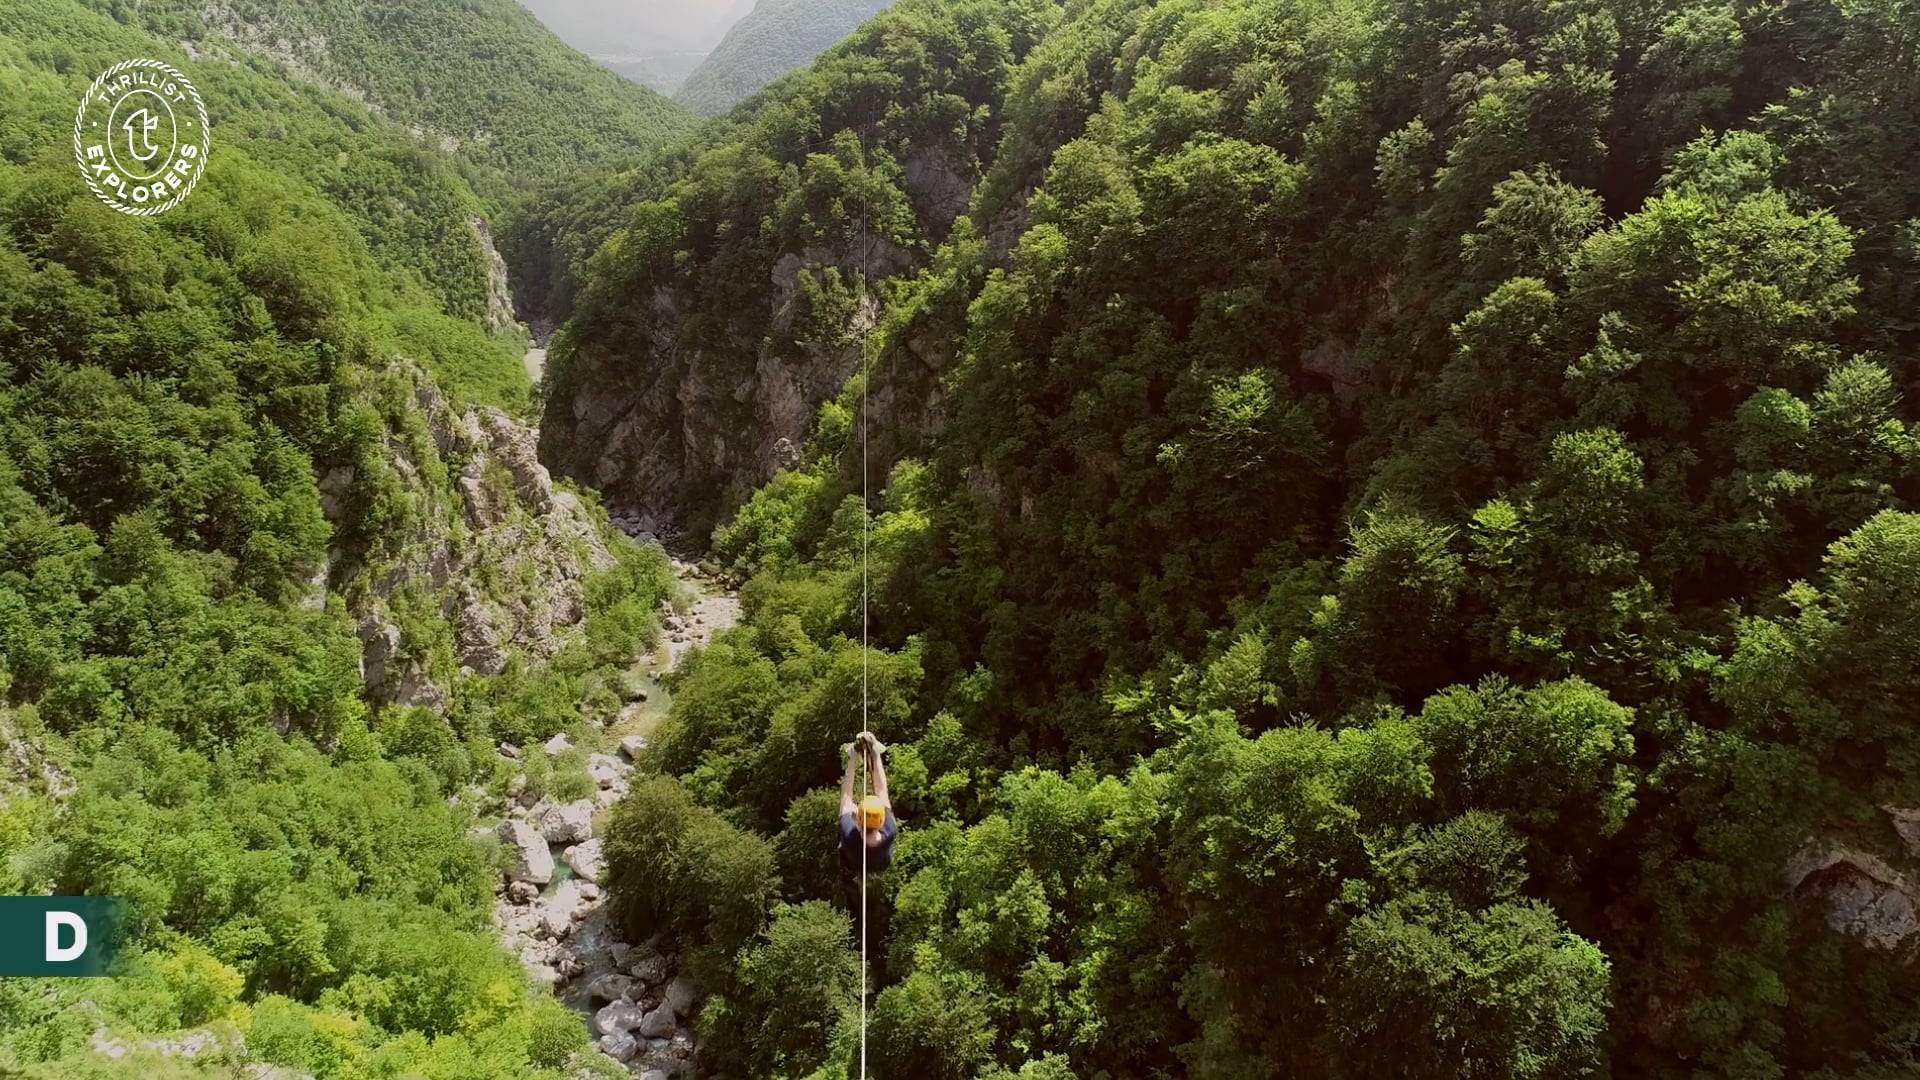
866, 532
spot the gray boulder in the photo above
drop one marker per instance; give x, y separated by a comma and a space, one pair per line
633, 746
611, 986
568, 823
657, 1024
586, 860
620, 1046
559, 744
558, 914
649, 968
679, 997
606, 769
620, 1016
528, 849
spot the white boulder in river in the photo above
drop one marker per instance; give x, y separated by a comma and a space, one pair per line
568, 823
531, 859
560, 909
620, 1016
611, 986
606, 769
586, 859
621, 1047
657, 1024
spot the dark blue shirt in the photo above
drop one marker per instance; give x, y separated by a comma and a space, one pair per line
852, 839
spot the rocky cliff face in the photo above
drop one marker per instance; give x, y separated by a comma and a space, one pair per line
682, 432
494, 550
499, 315
1864, 894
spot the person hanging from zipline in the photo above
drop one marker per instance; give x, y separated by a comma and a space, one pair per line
869, 823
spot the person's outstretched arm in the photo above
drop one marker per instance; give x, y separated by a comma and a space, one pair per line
846, 782
878, 777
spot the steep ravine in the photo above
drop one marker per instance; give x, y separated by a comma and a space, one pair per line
550, 909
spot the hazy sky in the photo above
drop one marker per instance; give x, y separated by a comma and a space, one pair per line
639, 27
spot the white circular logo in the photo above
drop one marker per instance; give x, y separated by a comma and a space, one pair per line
141, 137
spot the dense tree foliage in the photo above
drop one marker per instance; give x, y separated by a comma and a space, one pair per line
824, 172
482, 79
1423, 523
774, 38
179, 687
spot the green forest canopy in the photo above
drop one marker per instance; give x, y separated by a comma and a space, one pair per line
1422, 527
481, 78
304, 887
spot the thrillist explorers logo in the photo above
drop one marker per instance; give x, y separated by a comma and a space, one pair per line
141, 137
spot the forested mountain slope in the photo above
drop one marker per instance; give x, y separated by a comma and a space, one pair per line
1398, 553
481, 79
774, 38
705, 333
278, 571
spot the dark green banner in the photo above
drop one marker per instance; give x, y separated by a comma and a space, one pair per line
59, 935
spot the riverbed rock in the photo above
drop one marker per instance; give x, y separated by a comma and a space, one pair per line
648, 967
611, 986
679, 997
557, 915
620, 1046
522, 892
658, 1024
655, 1074
586, 859
511, 753
633, 746
559, 744
620, 1016
531, 859
606, 769
568, 823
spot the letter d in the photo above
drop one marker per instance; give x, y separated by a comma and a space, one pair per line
57, 919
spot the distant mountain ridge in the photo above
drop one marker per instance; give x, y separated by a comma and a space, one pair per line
775, 38
482, 79
634, 28
663, 72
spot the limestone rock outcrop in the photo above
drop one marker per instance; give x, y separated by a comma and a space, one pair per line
487, 541
671, 426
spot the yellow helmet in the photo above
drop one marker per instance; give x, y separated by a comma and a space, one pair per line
873, 812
